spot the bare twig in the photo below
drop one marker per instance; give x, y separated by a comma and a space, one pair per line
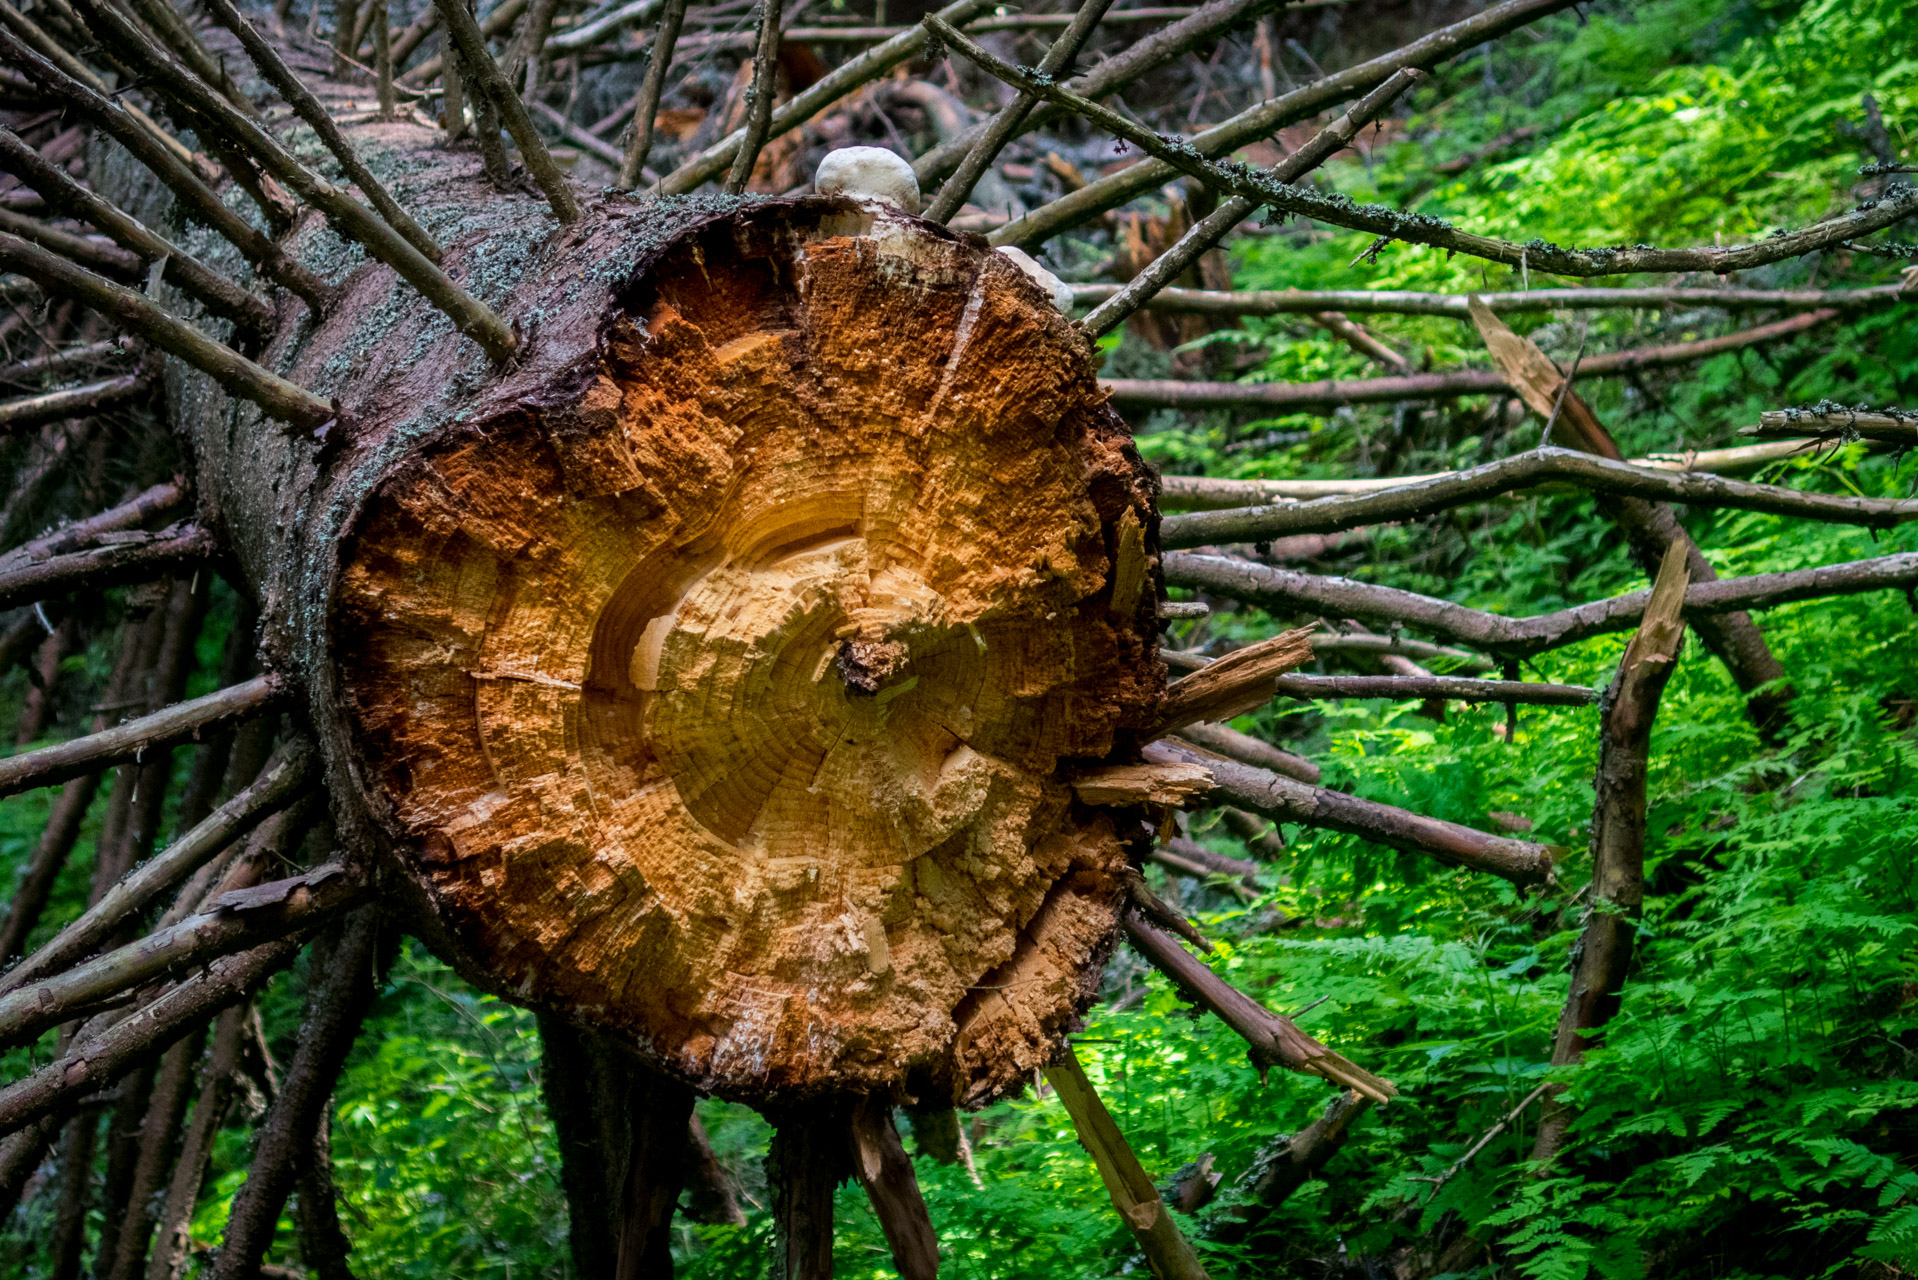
1831, 423
1401, 688
1281, 302
532, 149
72, 402
646, 110
759, 97
1247, 749
1286, 1164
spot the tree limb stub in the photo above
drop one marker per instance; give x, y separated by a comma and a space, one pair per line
1286, 591
282, 780
1281, 799
1524, 471
1132, 1191
177, 723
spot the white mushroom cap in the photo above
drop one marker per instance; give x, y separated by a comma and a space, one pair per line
868, 173
1058, 290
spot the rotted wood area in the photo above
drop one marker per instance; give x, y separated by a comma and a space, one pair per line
722, 692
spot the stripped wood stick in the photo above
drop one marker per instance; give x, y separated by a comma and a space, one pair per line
320, 120
177, 723
1132, 1192
277, 785
135, 313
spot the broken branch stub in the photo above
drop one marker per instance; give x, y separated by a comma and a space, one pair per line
723, 685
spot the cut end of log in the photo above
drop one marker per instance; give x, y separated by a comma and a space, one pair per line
729, 696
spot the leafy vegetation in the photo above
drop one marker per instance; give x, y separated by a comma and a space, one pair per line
1752, 1112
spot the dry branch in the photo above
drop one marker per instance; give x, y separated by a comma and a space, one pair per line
101, 1056
347, 215
1005, 123
1132, 1192
176, 172
759, 98
221, 296
1267, 118
646, 109
140, 317
320, 120
1826, 423
880, 1163
276, 786
1285, 302
1243, 747
1281, 799
1524, 471
1603, 954
176, 724
1286, 1164
72, 402
88, 251
1189, 858
1284, 590
337, 1004
1272, 1040
836, 84
1401, 688
496, 24
55, 363
113, 560
217, 1083
471, 43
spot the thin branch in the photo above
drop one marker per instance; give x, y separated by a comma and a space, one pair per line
116, 559
1284, 302
1286, 591
55, 363
221, 295
804, 1163
1283, 800
1215, 226
1286, 1164
1132, 1192
83, 249
471, 43
176, 724
72, 402
158, 1136
830, 88
277, 786
646, 110
759, 98
1525, 471
166, 22
218, 1081
497, 23
383, 75
199, 202
163, 499
1453, 688
880, 1163
100, 1057
347, 215
50, 855
1246, 749
320, 120
338, 1002
133, 312
1006, 122
1195, 861
1267, 118
1272, 1040
324, 1246
1830, 423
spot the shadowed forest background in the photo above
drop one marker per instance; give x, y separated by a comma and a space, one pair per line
1753, 1110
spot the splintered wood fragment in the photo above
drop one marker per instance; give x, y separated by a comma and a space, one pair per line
282, 780
176, 724
880, 1163
1271, 1039
1132, 1191
1241, 681
1125, 784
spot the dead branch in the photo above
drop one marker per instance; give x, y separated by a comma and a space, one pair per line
1214, 227
115, 559
759, 98
1452, 688
218, 1079
347, 215
235, 922
125, 742
175, 171
50, 855
133, 312
646, 110
880, 1163
55, 363
335, 1007
1272, 1040
1603, 955
1285, 1164
1193, 860
806, 1161
496, 24
1828, 423
72, 402
471, 42
1281, 799
159, 1134
323, 1243
836, 84
320, 120
1528, 470
1267, 118
1132, 1192
1284, 590
1283, 302
222, 296
1243, 747
1006, 122
86, 250
102, 1056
